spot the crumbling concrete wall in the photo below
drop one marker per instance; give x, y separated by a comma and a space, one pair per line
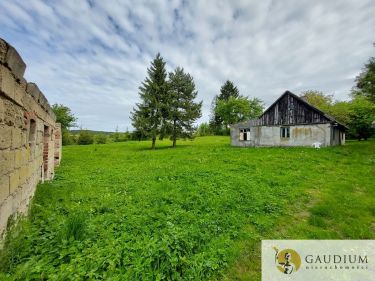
30, 138
300, 135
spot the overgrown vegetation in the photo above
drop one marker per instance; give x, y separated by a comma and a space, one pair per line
121, 211
65, 117
358, 113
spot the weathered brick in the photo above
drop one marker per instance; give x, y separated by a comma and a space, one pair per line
24, 174
14, 180
10, 113
17, 158
6, 161
5, 136
2, 110
39, 137
19, 118
15, 62
6, 209
25, 155
4, 187
3, 50
16, 138
20, 91
7, 82
24, 138
33, 90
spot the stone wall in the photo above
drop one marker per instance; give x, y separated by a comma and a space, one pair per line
30, 138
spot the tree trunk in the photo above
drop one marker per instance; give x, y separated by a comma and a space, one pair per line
153, 142
174, 137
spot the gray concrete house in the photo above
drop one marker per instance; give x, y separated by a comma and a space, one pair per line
289, 121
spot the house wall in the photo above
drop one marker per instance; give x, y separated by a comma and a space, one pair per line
300, 135
30, 138
338, 136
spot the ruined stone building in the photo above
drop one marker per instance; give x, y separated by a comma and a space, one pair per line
30, 138
289, 121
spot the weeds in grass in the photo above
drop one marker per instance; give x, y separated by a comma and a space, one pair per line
75, 227
123, 212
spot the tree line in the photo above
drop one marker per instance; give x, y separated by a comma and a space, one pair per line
358, 113
167, 108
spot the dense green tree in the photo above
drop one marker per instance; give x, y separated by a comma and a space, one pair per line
182, 110
238, 109
362, 115
358, 113
365, 81
326, 103
149, 115
65, 117
340, 110
226, 91
318, 99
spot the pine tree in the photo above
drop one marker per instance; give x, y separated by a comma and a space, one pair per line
148, 118
182, 110
226, 91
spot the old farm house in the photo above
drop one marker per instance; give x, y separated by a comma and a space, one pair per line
289, 121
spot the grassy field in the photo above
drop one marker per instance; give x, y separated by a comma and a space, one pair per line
197, 212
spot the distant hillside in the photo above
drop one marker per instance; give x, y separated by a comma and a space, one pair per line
76, 132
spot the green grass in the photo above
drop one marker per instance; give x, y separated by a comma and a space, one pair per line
197, 212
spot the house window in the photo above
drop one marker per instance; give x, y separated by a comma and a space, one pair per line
245, 134
285, 132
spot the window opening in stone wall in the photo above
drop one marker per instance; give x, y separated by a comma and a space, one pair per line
32, 131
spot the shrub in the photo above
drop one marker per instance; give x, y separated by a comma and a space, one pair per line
85, 138
67, 138
101, 139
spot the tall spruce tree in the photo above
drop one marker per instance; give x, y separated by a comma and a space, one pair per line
226, 91
182, 110
148, 118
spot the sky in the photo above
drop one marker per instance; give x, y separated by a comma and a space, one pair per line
93, 55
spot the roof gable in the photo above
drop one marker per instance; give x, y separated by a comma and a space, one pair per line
289, 109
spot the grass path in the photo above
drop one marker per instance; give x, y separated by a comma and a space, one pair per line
199, 211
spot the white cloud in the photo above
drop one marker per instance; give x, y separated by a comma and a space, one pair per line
92, 56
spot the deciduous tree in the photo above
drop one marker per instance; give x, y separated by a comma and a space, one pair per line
238, 109
226, 91
65, 117
365, 81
